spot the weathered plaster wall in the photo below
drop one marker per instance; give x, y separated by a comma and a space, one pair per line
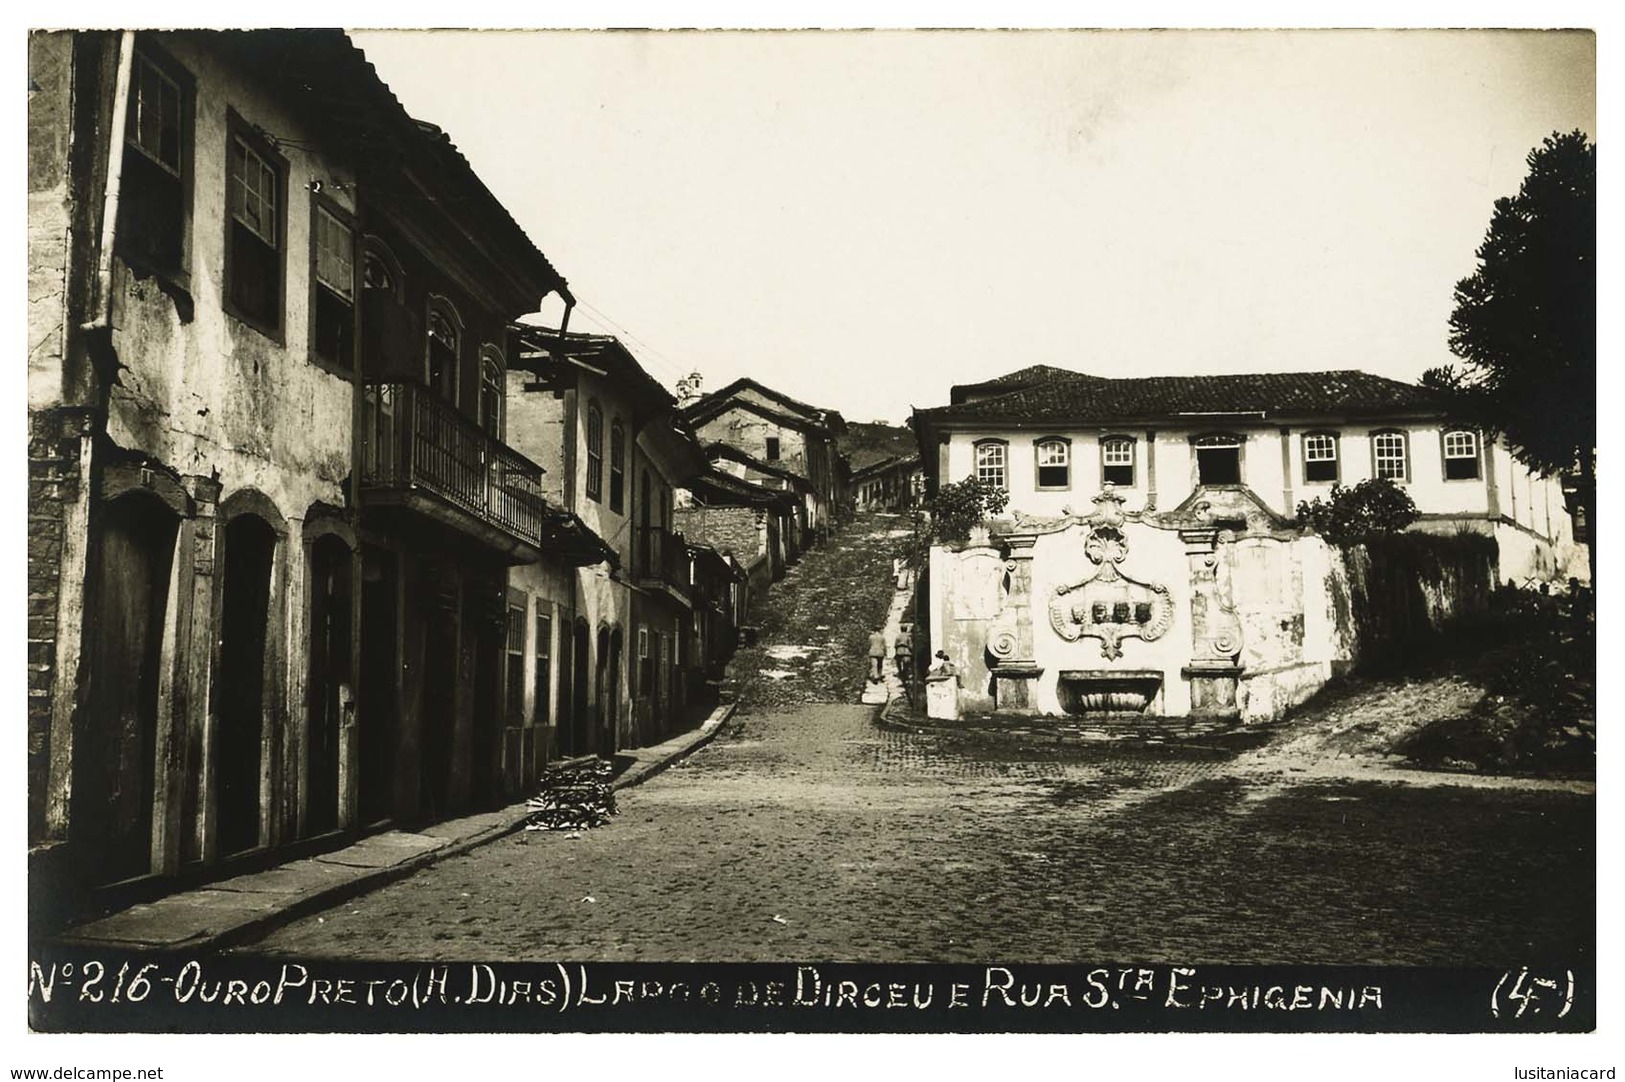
547, 588
535, 428
1402, 590
749, 432
212, 394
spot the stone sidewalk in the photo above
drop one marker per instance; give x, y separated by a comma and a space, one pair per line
239, 910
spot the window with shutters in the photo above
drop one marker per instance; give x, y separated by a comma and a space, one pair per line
1319, 457
1390, 455
1461, 455
256, 187
1117, 461
617, 467
1218, 460
332, 257
491, 370
154, 214
1052, 461
992, 461
595, 451
445, 349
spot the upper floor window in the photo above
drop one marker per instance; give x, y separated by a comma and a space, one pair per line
445, 351
332, 257
491, 392
1053, 461
153, 202
772, 448
617, 467
1319, 457
992, 463
1218, 460
1117, 461
1390, 455
595, 451
1461, 455
375, 273
254, 230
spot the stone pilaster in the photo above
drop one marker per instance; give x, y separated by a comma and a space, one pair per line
194, 666
1010, 639
1213, 673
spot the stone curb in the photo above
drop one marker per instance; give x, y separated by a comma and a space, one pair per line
304, 904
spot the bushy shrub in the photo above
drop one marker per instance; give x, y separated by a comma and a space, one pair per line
956, 508
948, 516
1350, 515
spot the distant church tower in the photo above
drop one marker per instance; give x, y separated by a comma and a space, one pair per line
688, 389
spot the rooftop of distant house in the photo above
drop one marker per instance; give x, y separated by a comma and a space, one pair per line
1044, 394
789, 411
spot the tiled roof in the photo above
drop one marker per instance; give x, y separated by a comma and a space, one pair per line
801, 414
325, 76
1096, 399
1022, 377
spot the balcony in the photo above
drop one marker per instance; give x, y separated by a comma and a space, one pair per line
420, 454
660, 562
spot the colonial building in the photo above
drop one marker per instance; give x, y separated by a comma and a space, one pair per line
615, 449
1053, 439
1149, 559
272, 509
775, 435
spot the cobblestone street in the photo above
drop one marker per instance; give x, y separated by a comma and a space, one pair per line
806, 831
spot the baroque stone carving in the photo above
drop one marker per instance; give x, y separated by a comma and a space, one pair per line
1110, 605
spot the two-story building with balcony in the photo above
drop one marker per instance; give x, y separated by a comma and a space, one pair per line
777, 434
271, 506
615, 449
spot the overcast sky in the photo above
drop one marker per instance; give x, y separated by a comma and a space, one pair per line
862, 219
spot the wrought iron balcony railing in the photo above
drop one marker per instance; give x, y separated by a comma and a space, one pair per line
415, 440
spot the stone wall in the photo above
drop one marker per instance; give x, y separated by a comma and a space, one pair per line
735, 530
1396, 594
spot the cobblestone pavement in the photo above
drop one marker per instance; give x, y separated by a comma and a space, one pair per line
807, 832
876, 845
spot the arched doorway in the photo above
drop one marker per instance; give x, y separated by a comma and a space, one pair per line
581, 732
331, 683
115, 749
245, 598
380, 680
616, 645
604, 741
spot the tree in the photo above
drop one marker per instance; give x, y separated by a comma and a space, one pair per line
949, 514
1374, 506
1525, 323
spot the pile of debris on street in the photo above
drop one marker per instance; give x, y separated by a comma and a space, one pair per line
574, 796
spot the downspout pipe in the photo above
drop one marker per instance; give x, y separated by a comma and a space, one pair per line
103, 307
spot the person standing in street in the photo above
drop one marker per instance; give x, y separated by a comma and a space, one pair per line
877, 656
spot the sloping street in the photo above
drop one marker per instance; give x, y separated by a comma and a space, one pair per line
806, 831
